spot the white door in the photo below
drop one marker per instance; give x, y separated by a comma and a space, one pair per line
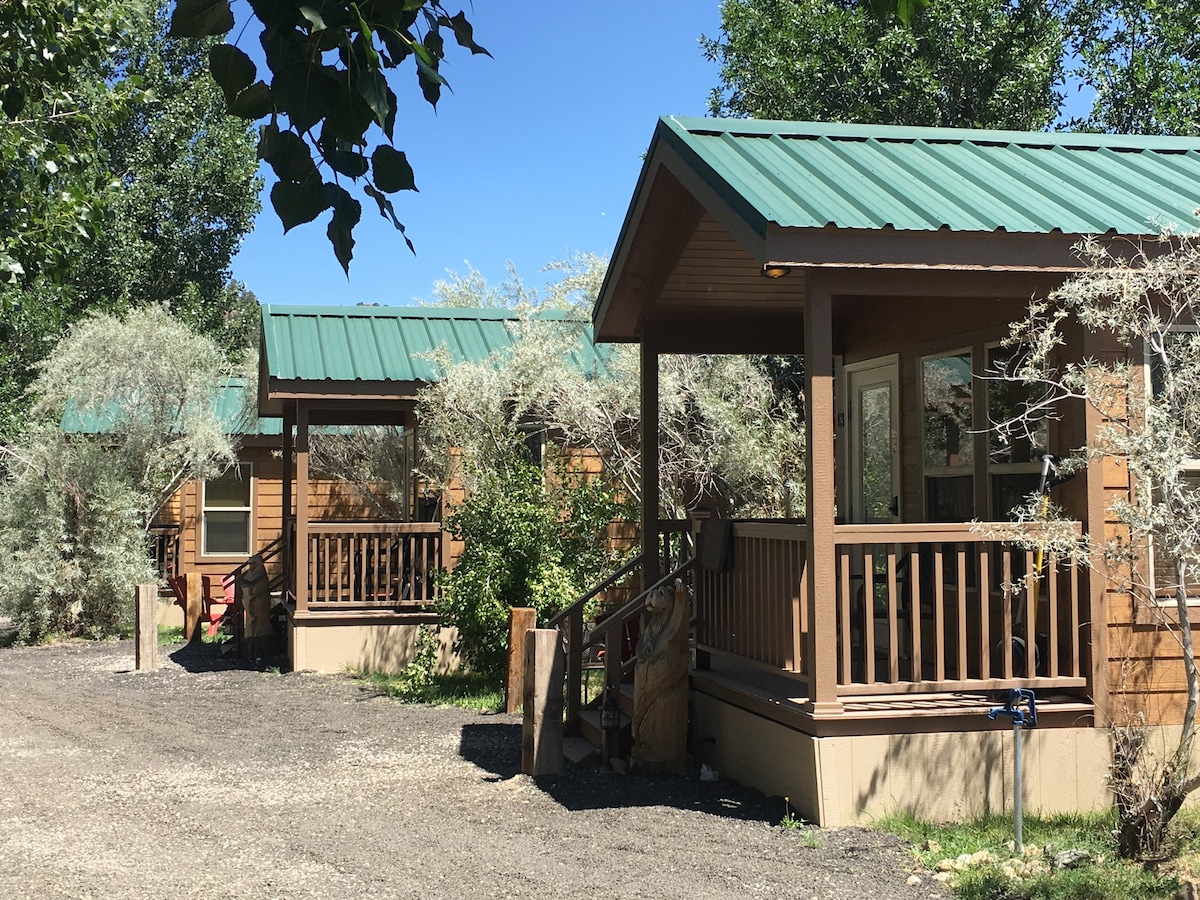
873, 440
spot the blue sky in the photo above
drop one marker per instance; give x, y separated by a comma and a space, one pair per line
533, 156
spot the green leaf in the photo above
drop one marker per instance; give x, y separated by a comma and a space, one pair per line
286, 153
347, 162
387, 211
305, 93
231, 69
298, 203
366, 38
346, 214
908, 10
372, 87
427, 73
323, 15
200, 18
465, 34
14, 101
252, 103
391, 170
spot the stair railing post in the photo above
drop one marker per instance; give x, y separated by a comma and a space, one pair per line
610, 713
574, 665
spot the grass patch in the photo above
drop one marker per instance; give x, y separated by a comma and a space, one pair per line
462, 689
981, 864
173, 634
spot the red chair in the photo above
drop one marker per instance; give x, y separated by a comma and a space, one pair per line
220, 608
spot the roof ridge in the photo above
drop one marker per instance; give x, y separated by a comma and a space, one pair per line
913, 133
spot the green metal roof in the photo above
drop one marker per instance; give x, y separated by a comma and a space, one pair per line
815, 175
230, 402
393, 343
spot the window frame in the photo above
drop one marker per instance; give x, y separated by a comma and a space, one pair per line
247, 469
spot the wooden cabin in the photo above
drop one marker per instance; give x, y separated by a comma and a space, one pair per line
848, 662
355, 585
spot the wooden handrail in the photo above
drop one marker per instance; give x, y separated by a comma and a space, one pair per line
926, 532
317, 526
577, 606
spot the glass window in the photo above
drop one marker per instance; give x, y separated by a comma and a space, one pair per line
226, 512
1014, 459
947, 437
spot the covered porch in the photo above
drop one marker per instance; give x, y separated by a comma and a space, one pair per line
356, 584
849, 659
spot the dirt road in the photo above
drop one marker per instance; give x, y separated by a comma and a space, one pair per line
202, 780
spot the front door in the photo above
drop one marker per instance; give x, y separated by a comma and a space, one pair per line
873, 440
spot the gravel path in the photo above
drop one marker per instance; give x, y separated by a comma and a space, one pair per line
205, 780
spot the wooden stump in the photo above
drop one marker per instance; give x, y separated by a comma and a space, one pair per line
193, 610
660, 680
542, 730
520, 620
146, 626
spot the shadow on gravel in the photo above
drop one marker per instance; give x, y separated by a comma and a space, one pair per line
200, 657
496, 748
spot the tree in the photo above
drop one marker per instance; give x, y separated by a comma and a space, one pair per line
173, 179
57, 106
960, 63
328, 97
124, 415
1142, 60
188, 190
1150, 304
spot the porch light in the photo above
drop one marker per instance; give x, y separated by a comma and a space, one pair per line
774, 270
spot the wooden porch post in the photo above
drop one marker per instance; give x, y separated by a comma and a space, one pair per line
821, 563
289, 422
300, 551
1097, 514
650, 498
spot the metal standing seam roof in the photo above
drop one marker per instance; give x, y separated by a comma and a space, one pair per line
394, 343
816, 175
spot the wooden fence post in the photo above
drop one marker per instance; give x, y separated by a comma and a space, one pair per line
520, 620
194, 610
542, 731
146, 626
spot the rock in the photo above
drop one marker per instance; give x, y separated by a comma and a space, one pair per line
932, 846
708, 773
1070, 859
1189, 890
913, 880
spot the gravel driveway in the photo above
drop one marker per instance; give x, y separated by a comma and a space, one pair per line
204, 780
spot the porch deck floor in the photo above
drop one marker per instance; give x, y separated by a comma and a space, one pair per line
784, 699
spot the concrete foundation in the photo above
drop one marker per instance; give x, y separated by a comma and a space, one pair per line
385, 647
939, 776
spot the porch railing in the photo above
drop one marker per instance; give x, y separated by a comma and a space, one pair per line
164, 549
757, 612
940, 607
372, 565
919, 608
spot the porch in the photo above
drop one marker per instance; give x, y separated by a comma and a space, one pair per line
925, 619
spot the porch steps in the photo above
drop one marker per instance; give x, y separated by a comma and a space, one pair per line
590, 730
579, 751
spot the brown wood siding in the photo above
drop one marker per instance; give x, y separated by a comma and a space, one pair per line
714, 269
